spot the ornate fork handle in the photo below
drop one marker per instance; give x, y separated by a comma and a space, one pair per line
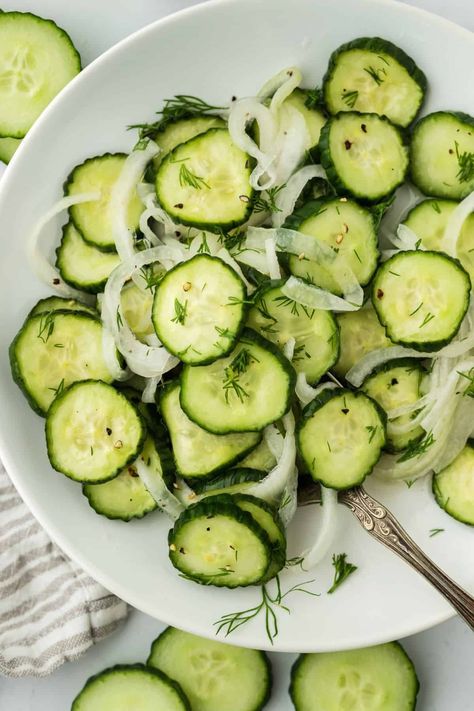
382, 525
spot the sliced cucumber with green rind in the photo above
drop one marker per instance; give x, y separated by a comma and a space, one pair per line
314, 118
181, 131
347, 228
132, 686
360, 332
217, 543
428, 221
92, 219
58, 303
137, 306
53, 350
315, 331
205, 182
341, 436
230, 481
395, 384
453, 486
199, 310
93, 432
380, 678
442, 155
421, 298
214, 676
198, 454
8, 148
244, 392
37, 59
260, 458
82, 266
364, 155
373, 75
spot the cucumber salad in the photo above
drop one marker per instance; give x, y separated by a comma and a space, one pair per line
262, 292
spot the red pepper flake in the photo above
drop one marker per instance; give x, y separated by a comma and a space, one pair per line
379, 294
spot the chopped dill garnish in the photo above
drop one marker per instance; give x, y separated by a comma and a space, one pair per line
435, 531
350, 98
342, 570
181, 312
46, 326
466, 165
375, 74
416, 449
268, 203
186, 177
179, 107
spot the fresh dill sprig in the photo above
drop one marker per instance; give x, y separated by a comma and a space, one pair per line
236, 368
179, 107
409, 482
60, 389
46, 325
186, 177
268, 203
350, 98
417, 309
262, 308
232, 242
300, 353
118, 318
416, 449
435, 531
375, 74
314, 97
293, 562
372, 430
342, 570
151, 277
181, 311
469, 391
285, 302
429, 317
269, 605
204, 246
466, 165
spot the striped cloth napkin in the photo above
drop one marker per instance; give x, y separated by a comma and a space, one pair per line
50, 610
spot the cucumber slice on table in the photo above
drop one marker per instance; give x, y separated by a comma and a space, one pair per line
231, 481
315, 331
84, 267
453, 486
360, 332
246, 391
364, 155
373, 75
380, 678
127, 687
442, 155
199, 310
198, 454
395, 384
345, 226
421, 298
37, 59
428, 221
341, 436
8, 148
54, 349
214, 676
215, 542
176, 132
125, 496
205, 182
93, 432
91, 219
58, 303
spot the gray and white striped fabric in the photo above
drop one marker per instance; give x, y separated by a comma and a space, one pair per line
50, 610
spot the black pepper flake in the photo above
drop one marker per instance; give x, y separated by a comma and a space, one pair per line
379, 294
347, 145
208, 528
56, 281
179, 205
394, 381
234, 98
108, 430
363, 127
450, 151
181, 550
345, 410
177, 233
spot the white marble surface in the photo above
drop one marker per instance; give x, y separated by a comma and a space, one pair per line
444, 656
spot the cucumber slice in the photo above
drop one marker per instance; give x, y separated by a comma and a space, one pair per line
348, 228
244, 392
8, 147
82, 266
125, 496
137, 306
453, 486
198, 309
373, 75
126, 687
380, 678
181, 131
442, 155
314, 118
428, 220
395, 384
58, 303
341, 436
232, 481
93, 432
260, 458
315, 332
53, 350
199, 454
360, 332
214, 542
364, 155
91, 219
214, 676
205, 182
421, 298
37, 59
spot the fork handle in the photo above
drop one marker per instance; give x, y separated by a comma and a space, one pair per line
380, 523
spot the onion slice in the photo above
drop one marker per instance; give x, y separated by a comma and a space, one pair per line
286, 198
154, 484
270, 488
326, 532
455, 223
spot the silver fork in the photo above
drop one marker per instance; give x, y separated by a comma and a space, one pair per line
377, 520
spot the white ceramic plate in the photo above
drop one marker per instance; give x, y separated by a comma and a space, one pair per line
217, 50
